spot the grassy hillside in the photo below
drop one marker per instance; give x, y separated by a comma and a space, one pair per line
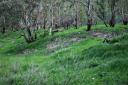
71, 57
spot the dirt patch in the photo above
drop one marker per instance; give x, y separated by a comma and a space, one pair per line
100, 34
58, 43
53, 45
27, 51
61, 43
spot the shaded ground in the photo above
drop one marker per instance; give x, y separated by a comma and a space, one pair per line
62, 43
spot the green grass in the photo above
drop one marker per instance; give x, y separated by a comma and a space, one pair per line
88, 62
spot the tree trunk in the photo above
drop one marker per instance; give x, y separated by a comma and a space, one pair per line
112, 21
3, 30
52, 22
89, 27
89, 24
125, 20
44, 25
76, 20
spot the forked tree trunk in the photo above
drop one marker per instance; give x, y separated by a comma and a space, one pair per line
30, 37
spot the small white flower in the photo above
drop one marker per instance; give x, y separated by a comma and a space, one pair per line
93, 78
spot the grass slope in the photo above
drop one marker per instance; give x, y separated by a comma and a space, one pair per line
87, 62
